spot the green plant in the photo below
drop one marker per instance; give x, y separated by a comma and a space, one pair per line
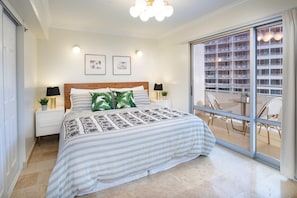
43, 101
164, 93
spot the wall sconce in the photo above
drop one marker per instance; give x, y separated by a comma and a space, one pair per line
75, 49
138, 53
158, 87
52, 92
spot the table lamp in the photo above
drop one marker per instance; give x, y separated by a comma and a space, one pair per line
52, 92
158, 87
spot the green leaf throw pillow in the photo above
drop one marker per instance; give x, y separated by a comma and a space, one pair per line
124, 99
102, 101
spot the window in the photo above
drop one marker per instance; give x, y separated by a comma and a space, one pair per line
224, 65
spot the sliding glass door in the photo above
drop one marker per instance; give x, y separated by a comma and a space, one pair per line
269, 75
221, 84
234, 75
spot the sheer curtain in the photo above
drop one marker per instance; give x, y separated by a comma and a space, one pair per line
289, 138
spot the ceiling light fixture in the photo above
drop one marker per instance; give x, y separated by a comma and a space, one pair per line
146, 9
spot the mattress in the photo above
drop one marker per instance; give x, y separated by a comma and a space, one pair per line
105, 148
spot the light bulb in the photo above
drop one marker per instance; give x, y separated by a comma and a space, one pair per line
134, 12
150, 11
144, 16
158, 6
168, 10
140, 4
159, 17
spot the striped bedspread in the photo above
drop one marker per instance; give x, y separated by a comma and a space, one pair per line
106, 146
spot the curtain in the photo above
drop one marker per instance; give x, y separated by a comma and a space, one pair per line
289, 138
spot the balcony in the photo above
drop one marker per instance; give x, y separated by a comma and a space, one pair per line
230, 103
241, 76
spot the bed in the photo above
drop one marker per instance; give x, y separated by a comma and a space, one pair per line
105, 148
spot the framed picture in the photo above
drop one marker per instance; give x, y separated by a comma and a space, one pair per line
95, 64
121, 65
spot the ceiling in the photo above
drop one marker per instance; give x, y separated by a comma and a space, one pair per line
112, 16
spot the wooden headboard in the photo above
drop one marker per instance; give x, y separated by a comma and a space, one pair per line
68, 86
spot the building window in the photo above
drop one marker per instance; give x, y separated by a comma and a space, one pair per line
228, 60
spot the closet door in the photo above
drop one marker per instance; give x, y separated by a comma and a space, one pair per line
10, 99
2, 156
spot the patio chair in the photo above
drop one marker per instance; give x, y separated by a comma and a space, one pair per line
270, 111
214, 104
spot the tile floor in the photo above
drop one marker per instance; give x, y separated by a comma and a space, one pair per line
222, 174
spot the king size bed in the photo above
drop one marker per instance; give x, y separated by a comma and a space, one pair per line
112, 134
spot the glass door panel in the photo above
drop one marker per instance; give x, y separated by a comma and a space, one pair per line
221, 86
269, 89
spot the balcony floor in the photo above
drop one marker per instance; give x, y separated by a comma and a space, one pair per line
239, 139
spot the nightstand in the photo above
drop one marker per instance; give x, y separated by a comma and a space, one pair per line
164, 103
49, 122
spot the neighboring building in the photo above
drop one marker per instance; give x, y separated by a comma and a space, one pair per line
227, 62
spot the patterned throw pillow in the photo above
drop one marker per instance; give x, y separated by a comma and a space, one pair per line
102, 101
124, 99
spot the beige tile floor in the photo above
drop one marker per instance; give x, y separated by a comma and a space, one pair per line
222, 174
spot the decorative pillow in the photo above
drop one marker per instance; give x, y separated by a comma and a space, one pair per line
81, 101
141, 97
102, 101
124, 99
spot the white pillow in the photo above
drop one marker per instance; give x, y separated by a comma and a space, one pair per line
83, 91
141, 97
81, 101
138, 88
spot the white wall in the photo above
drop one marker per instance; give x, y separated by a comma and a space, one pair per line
174, 49
58, 65
30, 82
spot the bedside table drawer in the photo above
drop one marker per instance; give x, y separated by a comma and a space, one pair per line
43, 131
49, 118
48, 122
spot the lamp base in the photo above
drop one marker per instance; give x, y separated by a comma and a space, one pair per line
158, 95
52, 102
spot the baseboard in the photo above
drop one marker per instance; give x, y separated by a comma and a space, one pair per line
13, 183
29, 154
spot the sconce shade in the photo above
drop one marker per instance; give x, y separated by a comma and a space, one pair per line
75, 49
139, 53
52, 91
158, 87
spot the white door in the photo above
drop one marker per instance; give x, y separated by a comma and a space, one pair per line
10, 99
2, 157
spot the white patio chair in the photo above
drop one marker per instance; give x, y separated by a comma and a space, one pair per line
214, 104
271, 111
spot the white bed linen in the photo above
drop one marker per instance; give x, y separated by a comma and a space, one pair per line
91, 162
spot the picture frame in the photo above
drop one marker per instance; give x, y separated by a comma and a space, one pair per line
95, 64
121, 65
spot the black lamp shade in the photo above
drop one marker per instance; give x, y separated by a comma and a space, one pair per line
158, 87
52, 91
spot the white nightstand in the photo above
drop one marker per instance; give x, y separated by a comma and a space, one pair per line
49, 122
164, 103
